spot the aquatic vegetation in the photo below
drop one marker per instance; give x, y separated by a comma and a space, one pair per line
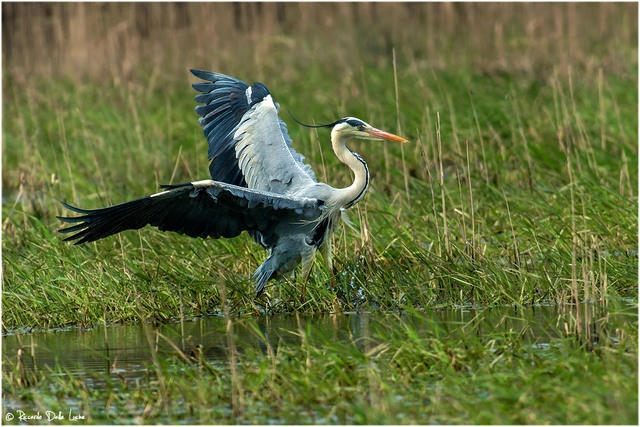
493, 365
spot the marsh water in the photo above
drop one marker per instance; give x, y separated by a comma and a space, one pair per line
125, 353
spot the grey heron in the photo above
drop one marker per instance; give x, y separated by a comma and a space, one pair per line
258, 184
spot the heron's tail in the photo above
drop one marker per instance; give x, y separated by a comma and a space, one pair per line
262, 275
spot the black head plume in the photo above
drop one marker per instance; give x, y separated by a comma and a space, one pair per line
328, 125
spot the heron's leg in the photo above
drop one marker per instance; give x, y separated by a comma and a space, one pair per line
263, 274
307, 263
326, 251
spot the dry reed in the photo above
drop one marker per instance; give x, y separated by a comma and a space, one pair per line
113, 40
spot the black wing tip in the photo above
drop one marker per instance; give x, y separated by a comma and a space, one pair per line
199, 73
70, 218
210, 76
74, 209
80, 236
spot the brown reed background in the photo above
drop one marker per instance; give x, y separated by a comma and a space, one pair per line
113, 40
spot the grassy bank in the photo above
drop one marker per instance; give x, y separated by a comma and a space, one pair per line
513, 190
519, 184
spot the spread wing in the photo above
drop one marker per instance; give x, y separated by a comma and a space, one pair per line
248, 144
198, 209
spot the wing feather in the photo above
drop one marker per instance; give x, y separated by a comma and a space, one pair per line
199, 209
235, 115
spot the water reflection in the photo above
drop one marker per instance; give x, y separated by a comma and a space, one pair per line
126, 351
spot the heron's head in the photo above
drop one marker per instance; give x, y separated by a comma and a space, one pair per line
351, 127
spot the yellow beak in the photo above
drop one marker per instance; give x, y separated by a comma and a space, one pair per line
377, 133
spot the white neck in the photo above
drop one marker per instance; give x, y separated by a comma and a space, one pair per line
346, 197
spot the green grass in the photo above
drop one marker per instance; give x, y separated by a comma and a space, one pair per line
551, 173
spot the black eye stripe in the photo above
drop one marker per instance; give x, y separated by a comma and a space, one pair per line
355, 123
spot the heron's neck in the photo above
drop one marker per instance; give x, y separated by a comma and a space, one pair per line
352, 194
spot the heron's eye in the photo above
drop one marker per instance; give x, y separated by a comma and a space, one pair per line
360, 128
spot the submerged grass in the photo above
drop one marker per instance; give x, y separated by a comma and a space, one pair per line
397, 369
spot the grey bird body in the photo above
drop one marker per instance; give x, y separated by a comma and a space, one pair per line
258, 184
